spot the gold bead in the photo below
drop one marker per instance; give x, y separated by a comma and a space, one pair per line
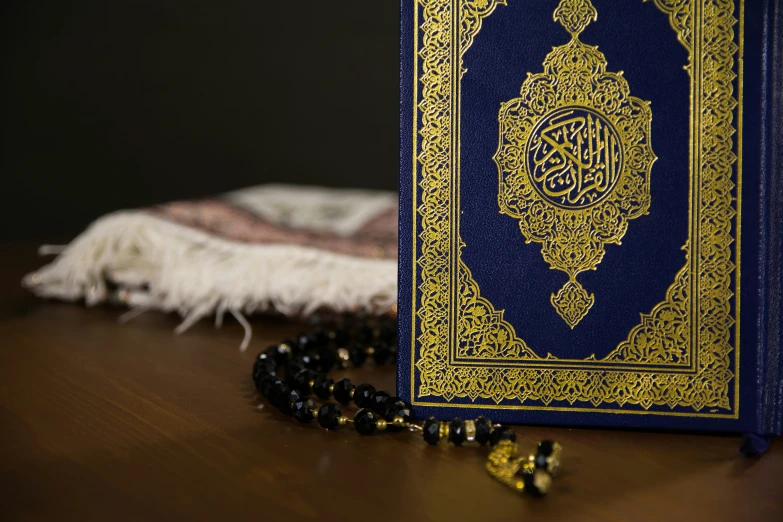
470, 431
311, 384
542, 481
315, 413
398, 422
553, 460
350, 393
552, 465
444, 428
342, 421
331, 388
380, 424
370, 350
557, 449
343, 355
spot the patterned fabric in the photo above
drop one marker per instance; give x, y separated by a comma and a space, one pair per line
376, 237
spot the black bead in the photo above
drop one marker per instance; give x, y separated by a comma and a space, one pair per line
362, 395
264, 379
302, 381
457, 434
357, 355
294, 368
263, 364
279, 395
303, 410
364, 421
396, 407
275, 390
502, 433
266, 385
339, 337
405, 413
328, 415
277, 353
285, 401
342, 391
431, 431
262, 373
540, 461
304, 361
381, 353
313, 341
319, 338
326, 358
380, 400
290, 376
293, 344
546, 447
303, 340
396, 402
364, 335
321, 386
483, 430
388, 334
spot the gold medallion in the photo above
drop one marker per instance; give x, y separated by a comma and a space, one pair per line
574, 159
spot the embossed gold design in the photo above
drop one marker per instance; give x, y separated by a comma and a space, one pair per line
471, 15
668, 333
574, 15
572, 302
481, 330
587, 159
663, 337
681, 19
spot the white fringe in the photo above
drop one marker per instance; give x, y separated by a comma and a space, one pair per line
160, 265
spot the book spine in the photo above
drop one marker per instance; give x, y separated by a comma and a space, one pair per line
770, 369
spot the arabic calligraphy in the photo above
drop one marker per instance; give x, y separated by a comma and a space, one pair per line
574, 157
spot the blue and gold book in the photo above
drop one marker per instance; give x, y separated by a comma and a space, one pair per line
590, 223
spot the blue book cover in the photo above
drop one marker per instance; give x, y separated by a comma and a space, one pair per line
590, 217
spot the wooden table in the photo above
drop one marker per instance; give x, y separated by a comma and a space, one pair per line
102, 421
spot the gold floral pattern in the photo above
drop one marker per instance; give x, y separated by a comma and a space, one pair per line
574, 15
663, 337
572, 302
481, 330
574, 159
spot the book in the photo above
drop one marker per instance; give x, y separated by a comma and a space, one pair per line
590, 212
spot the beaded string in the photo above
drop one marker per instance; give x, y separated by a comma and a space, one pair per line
294, 374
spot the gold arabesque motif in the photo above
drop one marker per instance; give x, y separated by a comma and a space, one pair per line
670, 334
574, 15
572, 302
574, 159
481, 329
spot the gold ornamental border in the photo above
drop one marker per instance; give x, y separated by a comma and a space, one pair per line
442, 332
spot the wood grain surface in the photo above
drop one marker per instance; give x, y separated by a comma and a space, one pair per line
102, 421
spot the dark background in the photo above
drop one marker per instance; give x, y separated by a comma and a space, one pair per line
117, 104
